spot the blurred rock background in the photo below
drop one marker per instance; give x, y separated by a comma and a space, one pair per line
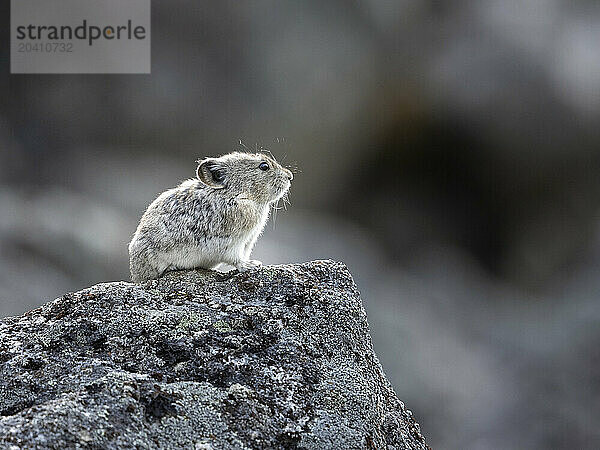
448, 153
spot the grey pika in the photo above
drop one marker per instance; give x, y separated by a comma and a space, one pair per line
212, 219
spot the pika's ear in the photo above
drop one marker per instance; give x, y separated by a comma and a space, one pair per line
211, 173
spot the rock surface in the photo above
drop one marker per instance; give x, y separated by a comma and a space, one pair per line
280, 357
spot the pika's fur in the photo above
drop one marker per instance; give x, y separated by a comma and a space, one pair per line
212, 219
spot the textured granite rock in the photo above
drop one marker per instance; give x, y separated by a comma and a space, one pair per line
279, 357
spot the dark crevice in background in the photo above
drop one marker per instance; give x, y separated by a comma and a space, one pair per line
448, 187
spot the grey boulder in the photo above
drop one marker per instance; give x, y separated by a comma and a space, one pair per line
279, 357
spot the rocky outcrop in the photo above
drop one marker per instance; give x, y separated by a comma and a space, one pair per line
279, 357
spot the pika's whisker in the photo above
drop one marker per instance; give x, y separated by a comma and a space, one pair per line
268, 152
293, 167
276, 208
244, 146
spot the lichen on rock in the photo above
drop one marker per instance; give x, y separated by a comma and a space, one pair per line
278, 357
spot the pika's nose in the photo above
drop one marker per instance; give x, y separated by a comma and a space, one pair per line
289, 174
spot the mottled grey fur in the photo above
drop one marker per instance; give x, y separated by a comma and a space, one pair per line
212, 219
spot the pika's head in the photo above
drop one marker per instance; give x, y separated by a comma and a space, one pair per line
255, 175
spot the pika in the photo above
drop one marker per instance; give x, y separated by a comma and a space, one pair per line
211, 219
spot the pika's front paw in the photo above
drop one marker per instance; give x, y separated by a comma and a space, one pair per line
248, 265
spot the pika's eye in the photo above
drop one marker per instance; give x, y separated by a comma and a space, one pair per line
218, 176
263, 166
